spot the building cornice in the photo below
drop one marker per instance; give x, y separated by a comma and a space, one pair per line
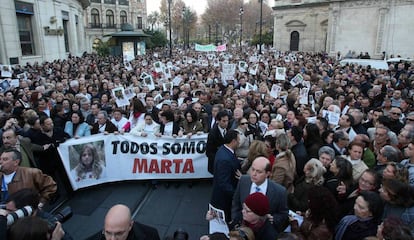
85, 3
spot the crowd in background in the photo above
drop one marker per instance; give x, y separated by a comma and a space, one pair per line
347, 179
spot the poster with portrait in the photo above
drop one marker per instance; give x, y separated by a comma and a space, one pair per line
4, 85
158, 67
298, 79
243, 66
253, 69
6, 71
280, 73
149, 82
129, 93
128, 51
167, 86
167, 72
87, 161
303, 96
141, 48
275, 91
120, 98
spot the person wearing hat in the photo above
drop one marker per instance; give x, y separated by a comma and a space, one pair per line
255, 210
258, 181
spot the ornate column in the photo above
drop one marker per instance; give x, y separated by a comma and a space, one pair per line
382, 23
334, 26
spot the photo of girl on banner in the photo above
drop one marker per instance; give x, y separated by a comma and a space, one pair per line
87, 161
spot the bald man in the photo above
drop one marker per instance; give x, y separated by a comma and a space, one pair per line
120, 226
258, 181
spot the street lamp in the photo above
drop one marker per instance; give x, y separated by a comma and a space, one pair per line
169, 25
183, 26
217, 25
260, 29
241, 12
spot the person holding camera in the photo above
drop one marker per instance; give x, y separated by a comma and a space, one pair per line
21, 219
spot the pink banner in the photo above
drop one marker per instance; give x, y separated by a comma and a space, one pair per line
221, 48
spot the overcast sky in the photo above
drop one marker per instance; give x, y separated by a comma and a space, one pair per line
197, 5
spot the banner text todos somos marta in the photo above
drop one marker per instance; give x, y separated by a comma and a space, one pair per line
107, 158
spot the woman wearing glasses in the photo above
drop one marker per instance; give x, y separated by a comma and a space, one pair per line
246, 138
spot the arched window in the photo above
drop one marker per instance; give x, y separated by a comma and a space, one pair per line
123, 16
294, 41
110, 21
95, 18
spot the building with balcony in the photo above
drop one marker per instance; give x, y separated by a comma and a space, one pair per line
373, 26
41, 30
104, 17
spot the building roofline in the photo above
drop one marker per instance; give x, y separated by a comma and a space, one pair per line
85, 3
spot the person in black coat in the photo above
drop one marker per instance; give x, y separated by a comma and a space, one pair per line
226, 166
118, 224
216, 138
298, 149
103, 125
169, 127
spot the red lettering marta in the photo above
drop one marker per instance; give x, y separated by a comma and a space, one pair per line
163, 166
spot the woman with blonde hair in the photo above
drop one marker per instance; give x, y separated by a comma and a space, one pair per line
90, 166
314, 171
257, 148
284, 168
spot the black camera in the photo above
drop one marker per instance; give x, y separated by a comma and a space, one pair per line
61, 216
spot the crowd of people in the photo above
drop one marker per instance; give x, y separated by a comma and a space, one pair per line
343, 159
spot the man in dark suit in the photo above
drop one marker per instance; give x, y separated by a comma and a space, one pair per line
258, 182
226, 165
216, 138
119, 225
340, 141
23, 145
103, 125
298, 148
212, 119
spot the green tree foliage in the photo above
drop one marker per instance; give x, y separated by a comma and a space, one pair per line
267, 38
157, 39
102, 48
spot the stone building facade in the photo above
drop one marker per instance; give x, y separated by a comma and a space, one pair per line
41, 30
104, 17
373, 26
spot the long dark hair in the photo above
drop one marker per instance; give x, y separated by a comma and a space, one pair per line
344, 170
313, 135
323, 207
401, 194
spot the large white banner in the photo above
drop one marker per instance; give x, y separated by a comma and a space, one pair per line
102, 158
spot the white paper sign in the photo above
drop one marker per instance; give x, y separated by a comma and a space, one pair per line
275, 91
296, 80
253, 69
303, 96
280, 73
120, 97
331, 117
158, 67
218, 223
243, 66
